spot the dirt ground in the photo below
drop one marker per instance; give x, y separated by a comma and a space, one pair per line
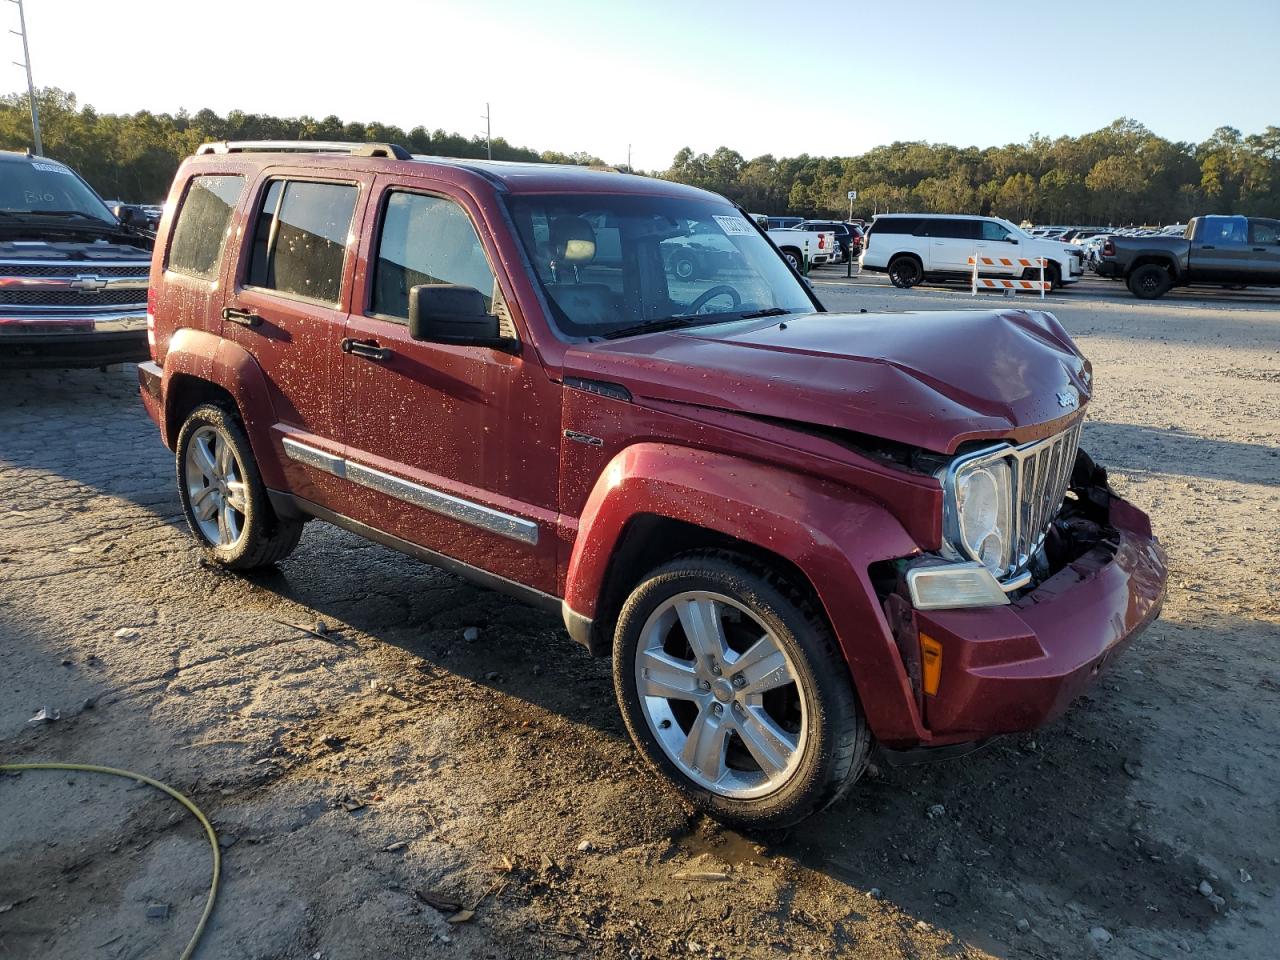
349, 771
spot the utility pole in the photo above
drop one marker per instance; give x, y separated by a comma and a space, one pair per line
31, 87
488, 131
628, 158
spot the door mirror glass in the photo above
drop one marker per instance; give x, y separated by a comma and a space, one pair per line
451, 313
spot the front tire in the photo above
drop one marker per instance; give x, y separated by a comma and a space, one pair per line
905, 272
1149, 281
733, 688
223, 496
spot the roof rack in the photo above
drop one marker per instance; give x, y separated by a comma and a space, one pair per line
390, 150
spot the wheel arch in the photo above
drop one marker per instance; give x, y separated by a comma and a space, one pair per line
1155, 259
655, 501
201, 367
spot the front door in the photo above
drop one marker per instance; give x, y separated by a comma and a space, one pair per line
288, 309
455, 447
1004, 248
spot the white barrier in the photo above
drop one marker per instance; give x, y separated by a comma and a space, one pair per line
1007, 284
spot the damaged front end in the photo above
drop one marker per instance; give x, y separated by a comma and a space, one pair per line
1094, 580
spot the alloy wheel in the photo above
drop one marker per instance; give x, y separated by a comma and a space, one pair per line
720, 695
216, 487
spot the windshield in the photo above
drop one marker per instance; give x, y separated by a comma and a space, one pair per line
612, 263
38, 187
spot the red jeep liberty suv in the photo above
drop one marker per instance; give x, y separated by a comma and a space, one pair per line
797, 533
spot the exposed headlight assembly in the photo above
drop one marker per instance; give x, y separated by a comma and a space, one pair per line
982, 526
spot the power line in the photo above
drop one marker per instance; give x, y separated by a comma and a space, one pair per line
31, 87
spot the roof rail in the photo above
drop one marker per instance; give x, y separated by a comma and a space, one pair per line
390, 150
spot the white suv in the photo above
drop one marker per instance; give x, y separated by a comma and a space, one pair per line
912, 247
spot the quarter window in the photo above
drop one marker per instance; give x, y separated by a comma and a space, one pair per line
204, 221
426, 240
300, 241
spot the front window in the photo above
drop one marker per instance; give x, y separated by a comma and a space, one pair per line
994, 231
43, 187
612, 263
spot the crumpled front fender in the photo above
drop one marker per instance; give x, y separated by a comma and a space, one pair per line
831, 533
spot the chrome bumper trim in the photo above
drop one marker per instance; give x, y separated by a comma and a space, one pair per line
437, 501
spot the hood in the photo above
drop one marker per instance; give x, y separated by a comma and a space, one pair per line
113, 249
929, 379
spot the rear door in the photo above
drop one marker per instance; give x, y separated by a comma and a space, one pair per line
1264, 247
288, 309
952, 241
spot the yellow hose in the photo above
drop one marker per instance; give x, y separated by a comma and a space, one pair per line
130, 775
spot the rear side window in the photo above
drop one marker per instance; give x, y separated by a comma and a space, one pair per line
954, 229
300, 241
896, 225
426, 240
204, 221
1264, 231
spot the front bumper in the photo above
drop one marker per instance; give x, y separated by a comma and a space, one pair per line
92, 340
1014, 668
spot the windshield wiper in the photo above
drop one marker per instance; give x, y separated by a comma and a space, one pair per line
70, 214
662, 323
769, 312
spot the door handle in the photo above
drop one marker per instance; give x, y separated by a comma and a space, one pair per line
1259, 249
246, 318
1208, 246
365, 348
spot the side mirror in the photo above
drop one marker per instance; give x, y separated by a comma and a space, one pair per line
130, 215
449, 313
1010, 239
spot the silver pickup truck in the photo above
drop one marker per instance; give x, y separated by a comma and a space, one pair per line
73, 273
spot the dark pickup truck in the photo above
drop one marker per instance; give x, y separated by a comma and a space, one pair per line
73, 273
1226, 251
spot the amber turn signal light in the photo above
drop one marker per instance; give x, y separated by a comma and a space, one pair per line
931, 659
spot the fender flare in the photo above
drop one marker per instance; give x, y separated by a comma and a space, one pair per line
830, 533
226, 364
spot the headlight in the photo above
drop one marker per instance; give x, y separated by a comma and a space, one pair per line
983, 502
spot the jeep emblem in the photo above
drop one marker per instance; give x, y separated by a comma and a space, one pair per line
1067, 399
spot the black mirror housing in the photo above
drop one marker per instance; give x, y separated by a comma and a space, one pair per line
451, 313
129, 215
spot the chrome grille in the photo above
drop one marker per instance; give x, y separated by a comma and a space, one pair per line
66, 269
1042, 473
73, 298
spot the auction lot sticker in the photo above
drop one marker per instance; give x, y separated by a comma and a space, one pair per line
734, 226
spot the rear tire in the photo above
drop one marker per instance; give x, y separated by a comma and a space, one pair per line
783, 732
905, 271
794, 258
1149, 281
223, 497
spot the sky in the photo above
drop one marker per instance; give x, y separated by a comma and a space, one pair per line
599, 75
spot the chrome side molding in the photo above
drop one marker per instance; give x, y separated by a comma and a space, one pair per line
437, 501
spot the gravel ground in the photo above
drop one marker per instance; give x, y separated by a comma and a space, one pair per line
385, 754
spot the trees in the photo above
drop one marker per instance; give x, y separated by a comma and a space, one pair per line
1122, 173
133, 157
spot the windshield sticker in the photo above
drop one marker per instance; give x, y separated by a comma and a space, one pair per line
734, 226
50, 168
